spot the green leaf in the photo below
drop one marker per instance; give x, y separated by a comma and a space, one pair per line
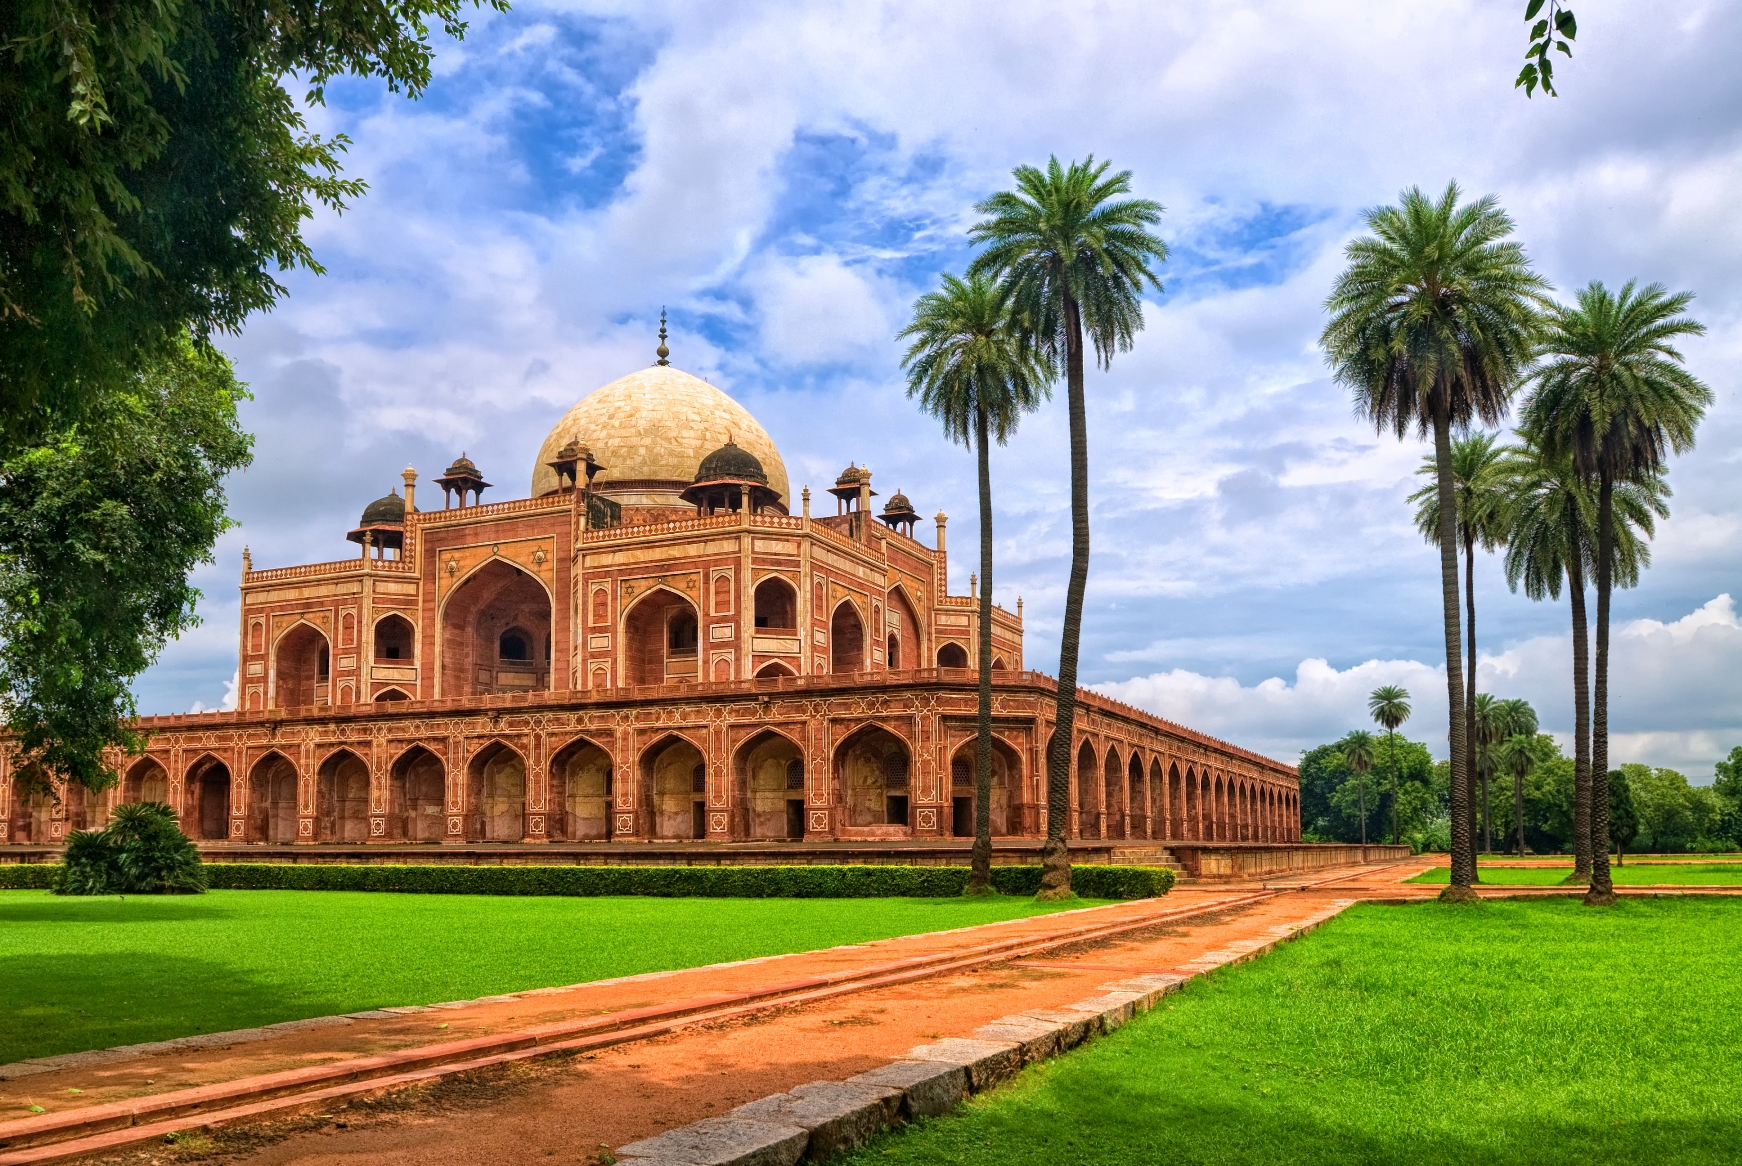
1526, 78
1535, 7
1566, 25
1562, 46
1539, 29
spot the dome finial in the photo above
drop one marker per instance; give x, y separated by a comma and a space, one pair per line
662, 351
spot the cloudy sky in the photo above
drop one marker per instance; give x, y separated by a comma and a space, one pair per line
785, 178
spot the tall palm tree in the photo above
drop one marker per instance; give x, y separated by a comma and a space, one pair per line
1487, 730
1432, 325
1075, 257
1357, 749
1552, 535
972, 369
1389, 705
1611, 393
1517, 755
1479, 482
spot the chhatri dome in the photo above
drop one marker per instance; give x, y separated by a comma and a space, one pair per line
651, 431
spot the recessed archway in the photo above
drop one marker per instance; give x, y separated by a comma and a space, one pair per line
846, 640
952, 655
496, 794
301, 665
1004, 813
1158, 811
872, 769
674, 786
1136, 801
774, 670
776, 605
1088, 803
580, 793
272, 789
1113, 797
769, 772
498, 606
395, 640
660, 639
905, 645
208, 796
417, 796
342, 798
146, 781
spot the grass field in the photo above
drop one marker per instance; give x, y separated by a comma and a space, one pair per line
94, 973
1664, 874
1537, 1033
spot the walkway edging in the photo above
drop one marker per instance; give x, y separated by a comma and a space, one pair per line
820, 1119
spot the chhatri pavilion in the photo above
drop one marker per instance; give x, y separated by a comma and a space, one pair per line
658, 642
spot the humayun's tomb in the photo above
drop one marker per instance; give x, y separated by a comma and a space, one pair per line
654, 644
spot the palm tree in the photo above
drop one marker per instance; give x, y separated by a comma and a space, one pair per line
1479, 482
1432, 324
1357, 749
1075, 258
972, 370
1551, 534
1487, 730
1612, 394
1389, 704
1517, 755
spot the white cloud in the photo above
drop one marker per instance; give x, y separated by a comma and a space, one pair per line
1675, 694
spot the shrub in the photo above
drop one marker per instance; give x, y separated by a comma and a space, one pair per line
29, 876
142, 851
736, 882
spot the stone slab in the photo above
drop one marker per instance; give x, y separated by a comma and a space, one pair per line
987, 1061
837, 1116
1038, 1039
722, 1141
928, 1088
1074, 1027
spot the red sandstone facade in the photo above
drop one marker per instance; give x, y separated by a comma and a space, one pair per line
587, 665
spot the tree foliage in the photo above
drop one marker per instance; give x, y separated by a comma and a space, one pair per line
100, 524
1553, 31
155, 172
1331, 793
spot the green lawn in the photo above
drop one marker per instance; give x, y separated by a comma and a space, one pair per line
93, 973
1537, 1033
1680, 874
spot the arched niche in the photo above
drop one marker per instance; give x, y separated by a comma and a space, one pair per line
776, 605
395, 641
207, 800
661, 639
769, 773
391, 694
872, 774
146, 780
1158, 805
1088, 801
1004, 809
496, 789
1176, 803
952, 655
1136, 800
1112, 797
498, 599
846, 640
904, 642
674, 785
272, 790
302, 663
774, 670
342, 798
417, 796
581, 789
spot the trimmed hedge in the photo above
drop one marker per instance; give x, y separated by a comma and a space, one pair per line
717, 882
29, 876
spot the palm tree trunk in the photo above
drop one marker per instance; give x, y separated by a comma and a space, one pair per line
1581, 719
1602, 893
1055, 876
1518, 808
1391, 741
1470, 687
1463, 837
1361, 788
980, 877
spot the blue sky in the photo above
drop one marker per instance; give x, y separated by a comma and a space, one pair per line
786, 178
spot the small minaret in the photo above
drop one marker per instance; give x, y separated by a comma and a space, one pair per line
409, 477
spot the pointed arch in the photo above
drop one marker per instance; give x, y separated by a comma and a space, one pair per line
417, 795
774, 669
393, 640
1158, 803
582, 777
206, 798
489, 600
768, 779
847, 653
496, 793
342, 797
952, 655
872, 772
272, 798
904, 630
146, 780
1088, 798
1005, 809
1137, 799
301, 666
1112, 795
660, 634
674, 787
776, 603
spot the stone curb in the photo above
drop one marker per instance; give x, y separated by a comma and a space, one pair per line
823, 1118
